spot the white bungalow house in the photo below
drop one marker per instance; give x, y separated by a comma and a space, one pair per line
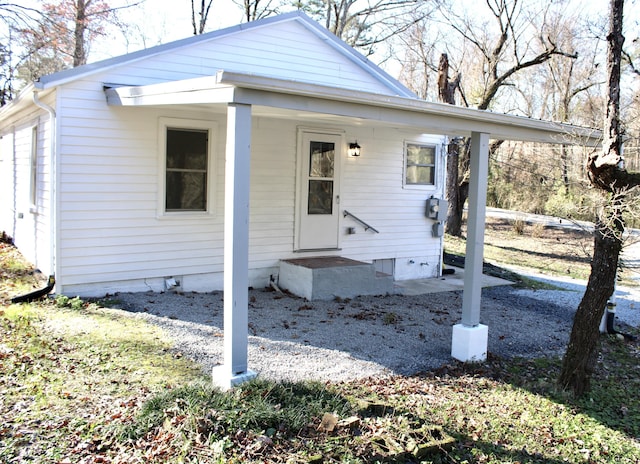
234, 158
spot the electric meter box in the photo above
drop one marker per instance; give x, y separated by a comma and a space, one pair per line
436, 209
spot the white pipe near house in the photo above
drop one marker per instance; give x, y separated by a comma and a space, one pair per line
52, 182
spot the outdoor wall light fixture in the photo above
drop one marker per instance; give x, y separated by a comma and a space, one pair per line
354, 149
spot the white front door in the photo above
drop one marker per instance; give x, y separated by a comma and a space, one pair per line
319, 191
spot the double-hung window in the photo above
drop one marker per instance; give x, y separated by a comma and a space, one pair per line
420, 164
186, 166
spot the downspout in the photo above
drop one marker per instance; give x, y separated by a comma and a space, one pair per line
53, 215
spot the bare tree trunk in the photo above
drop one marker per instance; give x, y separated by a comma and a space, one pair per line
453, 225
606, 172
446, 94
564, 157
79, 52
579, 360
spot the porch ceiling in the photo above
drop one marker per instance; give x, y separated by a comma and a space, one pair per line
278, 98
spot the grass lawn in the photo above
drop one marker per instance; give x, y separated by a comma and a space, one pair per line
550, 251
82, 383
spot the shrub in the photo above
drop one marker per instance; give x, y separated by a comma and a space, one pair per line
63, 301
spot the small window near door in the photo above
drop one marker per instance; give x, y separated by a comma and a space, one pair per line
187, 162
420, 164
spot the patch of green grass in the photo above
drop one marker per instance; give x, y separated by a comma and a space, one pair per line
253, 416
534, 284
68, 376
501, 411
552, 252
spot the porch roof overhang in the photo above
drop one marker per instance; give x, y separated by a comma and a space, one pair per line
243, 96
278, 97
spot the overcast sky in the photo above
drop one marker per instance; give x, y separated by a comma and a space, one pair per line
162, 21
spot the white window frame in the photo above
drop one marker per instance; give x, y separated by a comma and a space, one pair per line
436, 165
33, 169
166, 123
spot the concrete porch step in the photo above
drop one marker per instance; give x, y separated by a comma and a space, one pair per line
328, 277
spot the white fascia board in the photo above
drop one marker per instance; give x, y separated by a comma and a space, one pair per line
424, 121
231, 87
449, 119
22, 100
202, 90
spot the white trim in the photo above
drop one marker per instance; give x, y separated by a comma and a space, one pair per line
437, 181
259, 90
33, 168
163, 124
54, 182
301, 132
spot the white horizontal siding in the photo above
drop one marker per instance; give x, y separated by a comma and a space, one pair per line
110, 230
7, 180
372, 189
27, 223
286, 50
273, 167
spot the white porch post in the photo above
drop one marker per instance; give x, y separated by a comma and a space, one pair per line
236, 249
470, 338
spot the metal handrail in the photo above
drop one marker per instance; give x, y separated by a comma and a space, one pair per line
366, 226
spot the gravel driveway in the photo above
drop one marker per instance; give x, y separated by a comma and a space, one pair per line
294, 339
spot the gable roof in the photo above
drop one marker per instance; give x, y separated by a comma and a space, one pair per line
352, 60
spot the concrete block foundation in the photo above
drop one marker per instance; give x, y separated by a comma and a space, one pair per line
325, 278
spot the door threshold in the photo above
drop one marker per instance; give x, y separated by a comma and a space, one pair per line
311, 250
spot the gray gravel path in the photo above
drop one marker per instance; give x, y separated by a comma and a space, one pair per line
293, 339
627, 298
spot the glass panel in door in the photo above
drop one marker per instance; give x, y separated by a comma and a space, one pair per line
321, 169
319, 192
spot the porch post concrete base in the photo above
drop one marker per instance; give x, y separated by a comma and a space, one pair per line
469, 344
225, 380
